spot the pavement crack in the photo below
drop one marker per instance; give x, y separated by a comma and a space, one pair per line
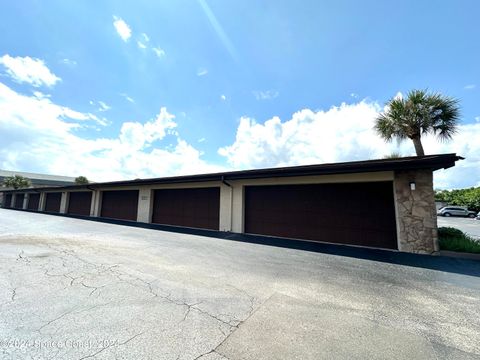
56, 319
214, 350
189, 308
110, 345
21, 257
95, 288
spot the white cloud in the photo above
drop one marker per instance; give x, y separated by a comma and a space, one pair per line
145, 37
477, 118
101, 105
39, 135
223, 97
159, 52
202, 72
265, 95
342, 133
40, 95
354, 95
128, 98
201, 140
122, 28
141, 45
29, 70
470, 87
69, 62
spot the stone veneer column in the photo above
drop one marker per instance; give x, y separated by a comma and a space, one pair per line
416, 212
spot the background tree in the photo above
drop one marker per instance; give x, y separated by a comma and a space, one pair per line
16, 182
81, 180
418, 114
461, 197
393, 155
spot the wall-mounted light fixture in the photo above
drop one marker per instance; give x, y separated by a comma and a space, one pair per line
412, 185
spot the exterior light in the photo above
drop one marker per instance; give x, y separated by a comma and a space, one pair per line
412, 185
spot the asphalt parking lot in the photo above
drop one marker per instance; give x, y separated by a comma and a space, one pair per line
75, 289
467, 225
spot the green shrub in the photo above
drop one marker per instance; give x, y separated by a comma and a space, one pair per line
444, 232
452, 239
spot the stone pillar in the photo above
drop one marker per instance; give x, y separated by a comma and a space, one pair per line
226, 194
64, 202
144, 211
25, 201
416, 212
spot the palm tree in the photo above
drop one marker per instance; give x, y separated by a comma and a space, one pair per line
16, 182
418, 114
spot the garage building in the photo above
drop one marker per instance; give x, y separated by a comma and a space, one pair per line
386, 203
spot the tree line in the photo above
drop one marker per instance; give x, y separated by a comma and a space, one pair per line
461, 197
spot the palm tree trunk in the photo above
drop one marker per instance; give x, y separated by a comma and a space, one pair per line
418, 146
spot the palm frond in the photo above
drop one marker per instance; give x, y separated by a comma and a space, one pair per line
419, 113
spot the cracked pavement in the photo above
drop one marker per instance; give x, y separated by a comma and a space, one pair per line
75, 289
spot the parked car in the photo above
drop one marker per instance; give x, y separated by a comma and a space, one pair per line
478, 216
456, 211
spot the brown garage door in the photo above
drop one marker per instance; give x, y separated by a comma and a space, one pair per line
19, 201
120, 204
358, 213
197, 208
8, 201
52, 202
79, 202
33, 201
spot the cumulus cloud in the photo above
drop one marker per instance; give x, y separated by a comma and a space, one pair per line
39, 135
123, 30
342, 133
28, 70
265, 95
223, 97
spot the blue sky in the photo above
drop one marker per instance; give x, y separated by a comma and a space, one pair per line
242, 84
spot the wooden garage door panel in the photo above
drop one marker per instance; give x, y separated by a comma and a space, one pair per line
8, 200
120, 204
52, 202
79, 202
197, 208
33, 201
19, 201
357, 213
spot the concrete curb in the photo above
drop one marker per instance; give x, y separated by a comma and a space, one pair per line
461, 255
